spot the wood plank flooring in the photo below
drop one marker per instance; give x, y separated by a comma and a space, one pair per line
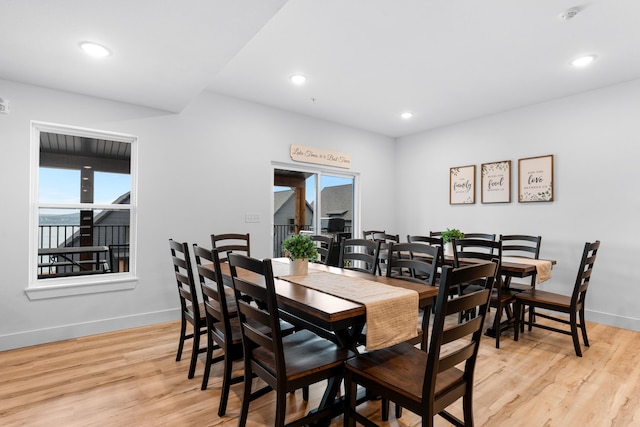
131, 378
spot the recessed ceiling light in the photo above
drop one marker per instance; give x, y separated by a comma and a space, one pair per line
583, 61
95, 49
406, 115
298, 79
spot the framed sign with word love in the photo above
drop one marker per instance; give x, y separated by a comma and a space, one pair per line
535, 179
496, 182
462, 185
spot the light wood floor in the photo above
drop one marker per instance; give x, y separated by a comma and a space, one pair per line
130, 378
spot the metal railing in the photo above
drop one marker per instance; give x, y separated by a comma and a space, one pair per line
282, 231
115, 237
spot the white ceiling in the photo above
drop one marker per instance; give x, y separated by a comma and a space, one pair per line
367, 60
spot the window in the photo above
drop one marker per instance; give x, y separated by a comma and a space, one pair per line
302, 193
83, 198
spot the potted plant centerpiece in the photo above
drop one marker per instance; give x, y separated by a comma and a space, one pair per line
448, 236
300, 249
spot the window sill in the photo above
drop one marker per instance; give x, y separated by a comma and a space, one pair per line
55, 288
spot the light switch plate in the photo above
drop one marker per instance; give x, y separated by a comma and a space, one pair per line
252, 217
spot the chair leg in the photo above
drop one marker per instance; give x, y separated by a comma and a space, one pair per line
496, 324
183, 330
194, 353
305, 393
207, 364
583, 324
574, 333
226, 385
517, 308
351, 389
246, 395
467, 406
281, 406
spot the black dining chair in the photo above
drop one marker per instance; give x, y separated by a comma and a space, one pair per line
325, 247
417, 263
481, 250
572, 305
284, 363
231, 242
191, 310
360, 255
385, 240
523, 246
223, 328
426, 383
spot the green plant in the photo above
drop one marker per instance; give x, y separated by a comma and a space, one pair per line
452, 233
300, 246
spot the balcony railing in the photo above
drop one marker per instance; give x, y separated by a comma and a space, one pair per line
113, 237
282, 231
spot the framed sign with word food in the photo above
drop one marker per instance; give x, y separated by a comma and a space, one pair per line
496, 182
535, 179
462, 185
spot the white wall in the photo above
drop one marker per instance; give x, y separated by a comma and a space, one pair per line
594, 139
199, 173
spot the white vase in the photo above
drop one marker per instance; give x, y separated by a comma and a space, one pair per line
299, 267
448, 248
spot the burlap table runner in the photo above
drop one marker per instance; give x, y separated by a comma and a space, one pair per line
391, 312
543, 267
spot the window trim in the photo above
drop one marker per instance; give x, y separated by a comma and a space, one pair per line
78, 285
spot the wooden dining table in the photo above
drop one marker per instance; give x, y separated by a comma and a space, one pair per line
323, 312
330, 316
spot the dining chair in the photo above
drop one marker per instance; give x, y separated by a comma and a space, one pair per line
359, 254
223, 325
223, 328
385, 239
474, 250
426, 383
573, 304
325, 247
520, 245
431, 241
234, 242
191, 311
284, 363
368, 234
417, 263
485, 236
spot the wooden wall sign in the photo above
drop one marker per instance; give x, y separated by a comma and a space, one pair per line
318, 156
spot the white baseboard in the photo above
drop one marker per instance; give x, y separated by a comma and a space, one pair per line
64, 332
613, 320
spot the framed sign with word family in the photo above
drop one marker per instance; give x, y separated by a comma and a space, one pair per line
462, 185
535, 179
496, 182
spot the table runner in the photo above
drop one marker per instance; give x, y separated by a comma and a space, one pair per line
391, 312
543, 267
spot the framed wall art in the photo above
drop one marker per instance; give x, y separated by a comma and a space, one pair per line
462, 185
496, 182
535, 179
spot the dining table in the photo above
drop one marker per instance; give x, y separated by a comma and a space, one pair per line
339, 318
331, 316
